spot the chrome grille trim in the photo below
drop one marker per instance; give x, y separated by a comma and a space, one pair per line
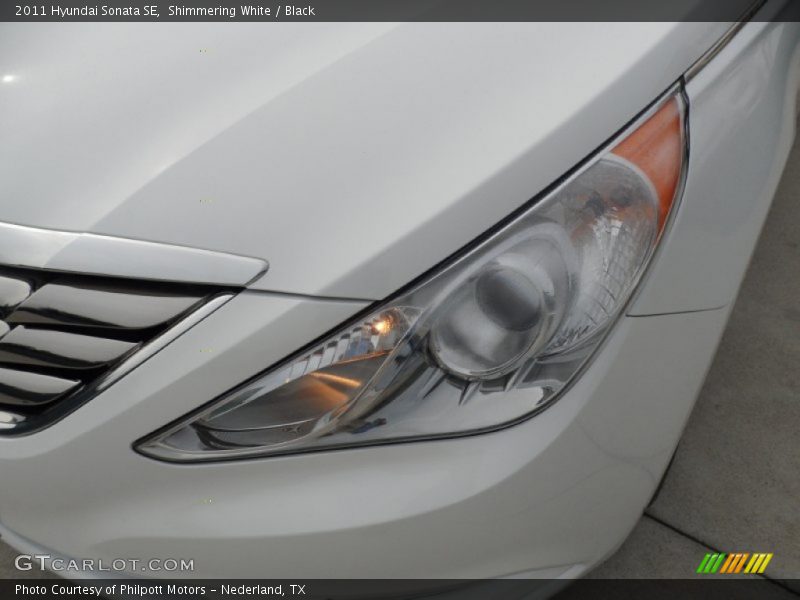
13, 291
94, 254
64, 338
158, 343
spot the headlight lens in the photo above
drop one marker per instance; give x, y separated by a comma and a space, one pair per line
520, 313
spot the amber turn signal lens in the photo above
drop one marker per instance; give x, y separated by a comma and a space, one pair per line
656, 147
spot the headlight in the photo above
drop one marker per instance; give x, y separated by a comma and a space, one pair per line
485, 341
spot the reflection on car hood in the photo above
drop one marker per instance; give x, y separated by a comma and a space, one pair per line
353, 157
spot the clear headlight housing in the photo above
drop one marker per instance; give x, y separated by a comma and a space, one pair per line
487, 340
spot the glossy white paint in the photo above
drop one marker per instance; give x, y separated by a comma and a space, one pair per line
744, 102
549, 497
351, 157
561, 489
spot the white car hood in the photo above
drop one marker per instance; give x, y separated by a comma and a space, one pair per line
352, 157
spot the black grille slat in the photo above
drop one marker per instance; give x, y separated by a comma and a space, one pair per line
59, 349
99, 308
26, 389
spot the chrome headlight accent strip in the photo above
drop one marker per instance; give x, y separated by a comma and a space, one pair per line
720, 44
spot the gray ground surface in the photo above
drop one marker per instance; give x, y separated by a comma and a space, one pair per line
735, 482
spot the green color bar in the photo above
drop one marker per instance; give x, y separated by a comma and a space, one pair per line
711, 562
703, 563
718, 564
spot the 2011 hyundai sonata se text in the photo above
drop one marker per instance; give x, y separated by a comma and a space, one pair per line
384, 300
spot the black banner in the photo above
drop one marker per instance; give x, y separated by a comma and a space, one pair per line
732, 588
388, 10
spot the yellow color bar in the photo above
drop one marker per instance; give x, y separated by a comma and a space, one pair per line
767, 558
752, 564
